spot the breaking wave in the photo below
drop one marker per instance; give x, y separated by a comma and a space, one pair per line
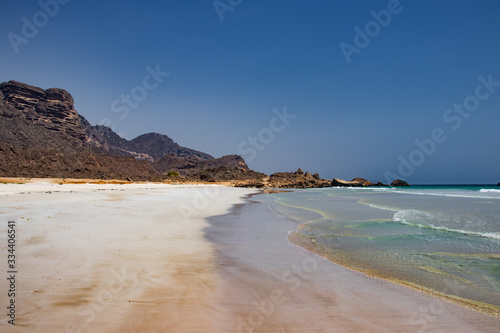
425, 220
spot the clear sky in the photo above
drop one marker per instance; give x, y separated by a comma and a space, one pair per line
344, 88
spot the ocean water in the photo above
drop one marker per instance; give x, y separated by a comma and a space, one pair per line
440, 239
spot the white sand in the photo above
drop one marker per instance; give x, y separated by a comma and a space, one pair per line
111, 258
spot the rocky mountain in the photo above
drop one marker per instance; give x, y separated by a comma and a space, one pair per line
42, 135
149, 146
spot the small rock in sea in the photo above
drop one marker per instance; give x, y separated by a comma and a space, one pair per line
399, 182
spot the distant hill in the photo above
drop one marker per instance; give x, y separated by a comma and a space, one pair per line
149, 146
41, 135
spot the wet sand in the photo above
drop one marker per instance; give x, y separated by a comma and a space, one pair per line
271, 285
144, 258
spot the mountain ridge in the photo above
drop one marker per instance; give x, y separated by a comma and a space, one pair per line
42, 135
150, 146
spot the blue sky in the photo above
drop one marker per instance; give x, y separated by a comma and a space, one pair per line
226, 76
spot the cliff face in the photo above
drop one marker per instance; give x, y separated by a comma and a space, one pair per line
51, 109
41, 136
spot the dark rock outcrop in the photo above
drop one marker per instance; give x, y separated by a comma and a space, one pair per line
51, 109
299, 172
363, 181
229, 174
345, 183
399, 182
297, 179
356, 182
369, 183
191, 165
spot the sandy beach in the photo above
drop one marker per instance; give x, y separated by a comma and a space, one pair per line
112, 258
186, 258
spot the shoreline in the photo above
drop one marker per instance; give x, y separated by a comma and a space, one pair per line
271, 284
311, 245
480, 307
314, 247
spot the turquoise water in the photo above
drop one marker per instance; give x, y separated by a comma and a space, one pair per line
444, 239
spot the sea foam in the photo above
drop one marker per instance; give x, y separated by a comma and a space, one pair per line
481, 194
419, 219
487, 190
